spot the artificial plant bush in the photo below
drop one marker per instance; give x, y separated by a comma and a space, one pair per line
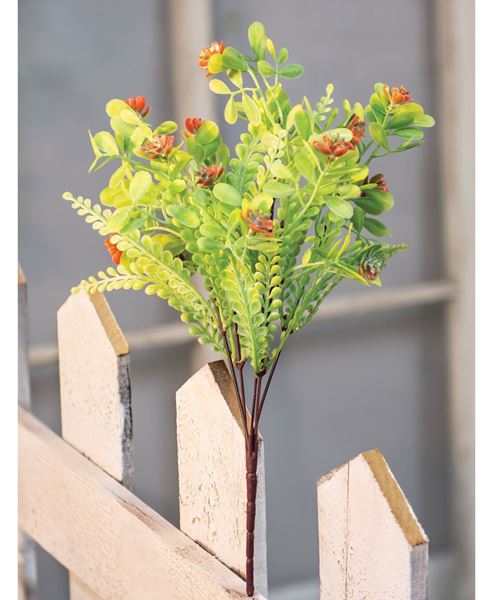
271, 229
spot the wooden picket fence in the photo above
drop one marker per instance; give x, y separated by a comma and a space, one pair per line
75, 497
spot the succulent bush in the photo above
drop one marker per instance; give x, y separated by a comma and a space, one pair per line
271, 229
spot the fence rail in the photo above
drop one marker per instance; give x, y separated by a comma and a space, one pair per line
75, 501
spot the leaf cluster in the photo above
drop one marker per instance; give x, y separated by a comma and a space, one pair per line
270, 227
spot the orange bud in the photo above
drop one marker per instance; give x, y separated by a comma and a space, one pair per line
139, 104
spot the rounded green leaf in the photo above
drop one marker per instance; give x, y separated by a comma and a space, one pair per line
409, 133
106, 143
340, 207
376, 227
280, 170
358, 218
227, 194
140, 185
424, 121
230, 111
232, 59
130, 116
114, 107
376, 201
302, 124
166, 128
282, 56
378, 134
257, 39
291, 71
209, 245
219, 87
265, 68
277, 189
184, 215
207, 133
251, 109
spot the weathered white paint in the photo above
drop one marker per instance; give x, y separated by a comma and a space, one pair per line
211, 469
103, 533
95, 392
94, 384
371, 544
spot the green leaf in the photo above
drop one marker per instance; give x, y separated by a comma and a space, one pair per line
376, 227
261, 243
282, 57
119, 126
302, 124
277, 189
265, 68
424, 121
257, 39
166, 128
227, 194
305, 166
115, 107
140, 185
377, 132
209, 245
230, 111
376, 201
232, 59
184, 215
291, 71
341, 208
358, 218
207, 133
130, 116
106, 143
118, 219
278, 169
219, 87
400, 120
115, 197
410, 133
251, 109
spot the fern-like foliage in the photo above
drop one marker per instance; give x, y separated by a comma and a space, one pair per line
271, 228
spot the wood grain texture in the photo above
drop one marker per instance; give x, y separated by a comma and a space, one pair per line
95, 393
95, 385
211, 469
26, 550
371, 544
103, 533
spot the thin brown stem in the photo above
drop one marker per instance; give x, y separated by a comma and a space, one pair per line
232, 369
267, 385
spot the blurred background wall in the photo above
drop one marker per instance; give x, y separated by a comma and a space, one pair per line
384, 379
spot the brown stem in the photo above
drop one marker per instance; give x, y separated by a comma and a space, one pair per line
232, 369
251, 481
267, 385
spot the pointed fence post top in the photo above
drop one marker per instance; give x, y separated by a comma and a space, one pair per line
212, 471
94, 384
371, 543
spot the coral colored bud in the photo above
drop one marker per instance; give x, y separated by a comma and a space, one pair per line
192, 125
206, 53
398, 95
333, 147
139, 104
159, 146
258, 223
357, 127
209, 175
116, 255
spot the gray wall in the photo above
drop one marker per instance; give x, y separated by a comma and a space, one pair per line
343, 387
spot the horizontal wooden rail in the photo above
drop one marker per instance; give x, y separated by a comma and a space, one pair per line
104, 534
175, 334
